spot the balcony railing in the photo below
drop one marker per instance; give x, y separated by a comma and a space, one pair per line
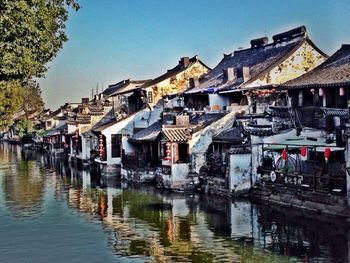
317, 182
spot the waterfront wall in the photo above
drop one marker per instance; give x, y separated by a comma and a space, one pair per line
240, 173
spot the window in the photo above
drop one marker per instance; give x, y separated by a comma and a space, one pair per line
116, 140
150, 97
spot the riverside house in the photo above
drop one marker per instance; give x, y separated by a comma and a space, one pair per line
246, 80
54, 140
136, 105
159, 92
80, 120
310, 170
126, 99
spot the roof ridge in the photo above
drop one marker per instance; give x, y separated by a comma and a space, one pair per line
345, 46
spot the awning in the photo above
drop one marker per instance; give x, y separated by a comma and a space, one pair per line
176, 134
293, 144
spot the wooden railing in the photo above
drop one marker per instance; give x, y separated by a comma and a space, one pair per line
322, 183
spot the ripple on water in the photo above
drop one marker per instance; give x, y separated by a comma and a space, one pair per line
53, 212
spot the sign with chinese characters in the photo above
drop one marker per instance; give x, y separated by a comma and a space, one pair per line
293, 179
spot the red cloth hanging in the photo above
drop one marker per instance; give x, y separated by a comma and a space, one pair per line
284, 154
327, 153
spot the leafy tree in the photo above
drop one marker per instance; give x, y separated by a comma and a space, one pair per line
24, 127
11, 95
31, 35
32, 100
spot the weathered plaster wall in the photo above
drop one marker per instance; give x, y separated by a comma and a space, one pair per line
178, 178
301, 61
176, 83
314, 133
202, 139
239, 172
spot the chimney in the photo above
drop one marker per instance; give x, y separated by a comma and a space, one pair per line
185, 61
194, 82
246, 73
229, 75
259, 42
85, 101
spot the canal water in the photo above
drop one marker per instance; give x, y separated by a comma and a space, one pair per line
53, 212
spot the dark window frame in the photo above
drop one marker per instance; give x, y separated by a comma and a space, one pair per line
116, 145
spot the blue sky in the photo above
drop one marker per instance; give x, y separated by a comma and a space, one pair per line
111, 40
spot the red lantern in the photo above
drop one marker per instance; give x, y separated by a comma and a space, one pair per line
168, 152
303, 151
284, 154
100, 146
76, 136
327, 153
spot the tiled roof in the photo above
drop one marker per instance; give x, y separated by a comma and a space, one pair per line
259, 60
259, 130
106, 121
123, 87
334, 71
79, 119
148, 134
53, 114
232, 135
56, 130
205, 118
173, 72
282, 112
176, 134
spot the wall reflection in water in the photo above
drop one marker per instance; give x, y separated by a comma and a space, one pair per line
162, 227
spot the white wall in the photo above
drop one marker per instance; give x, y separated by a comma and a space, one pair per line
313, 133
125, 127
240, 171
179, 171
202, 139
84, 148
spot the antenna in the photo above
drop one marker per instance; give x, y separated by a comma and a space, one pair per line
97, 88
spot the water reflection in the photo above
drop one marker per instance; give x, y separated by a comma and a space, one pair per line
22, 182
145, 224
